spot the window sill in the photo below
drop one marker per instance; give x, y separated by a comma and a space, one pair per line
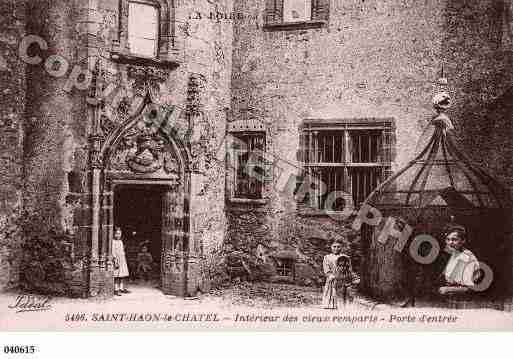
321, 213
300, 25
312, 213
170, 61
247, 201
282, 279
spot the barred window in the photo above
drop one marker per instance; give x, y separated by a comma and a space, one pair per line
352, 157
248, 186
143, 28
286, 12
285, 267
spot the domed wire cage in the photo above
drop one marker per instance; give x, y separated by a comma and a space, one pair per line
438, 187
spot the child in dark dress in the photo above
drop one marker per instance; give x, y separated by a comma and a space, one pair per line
144, 263
346, 277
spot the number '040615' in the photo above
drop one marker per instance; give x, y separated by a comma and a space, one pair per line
19, 349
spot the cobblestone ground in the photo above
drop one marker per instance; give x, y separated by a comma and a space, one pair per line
274, 295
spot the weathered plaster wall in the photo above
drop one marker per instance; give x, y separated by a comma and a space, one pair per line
374, 59
12, 106
208, 48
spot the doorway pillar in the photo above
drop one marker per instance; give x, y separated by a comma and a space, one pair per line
174, 248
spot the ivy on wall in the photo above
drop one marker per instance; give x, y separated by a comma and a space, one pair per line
44, 257
47, 258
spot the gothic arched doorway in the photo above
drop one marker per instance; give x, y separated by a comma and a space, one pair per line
142, 166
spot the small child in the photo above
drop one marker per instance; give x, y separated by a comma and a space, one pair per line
462, 270
346, 276
120, 264
145, 263
339, 276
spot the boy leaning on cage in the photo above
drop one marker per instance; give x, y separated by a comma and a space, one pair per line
461, 272
339, 277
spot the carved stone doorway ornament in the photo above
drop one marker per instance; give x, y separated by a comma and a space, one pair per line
140, 153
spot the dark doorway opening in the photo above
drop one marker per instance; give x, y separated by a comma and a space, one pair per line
138, 211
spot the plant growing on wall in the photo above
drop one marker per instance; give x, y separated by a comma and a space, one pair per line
213, 271
47, 258
10, 244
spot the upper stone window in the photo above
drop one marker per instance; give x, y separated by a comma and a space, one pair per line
296, 13
143, 28
146, 33
297, 10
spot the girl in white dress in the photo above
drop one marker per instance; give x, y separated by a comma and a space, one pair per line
120, 265
339, 276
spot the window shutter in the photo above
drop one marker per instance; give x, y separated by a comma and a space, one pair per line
388, 143
320, 9
273, 11
302, 147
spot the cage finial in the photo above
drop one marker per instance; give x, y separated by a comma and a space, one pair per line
442, 102
442, 99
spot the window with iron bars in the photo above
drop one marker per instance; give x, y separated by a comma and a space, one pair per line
350, 157
248, 186
285, 267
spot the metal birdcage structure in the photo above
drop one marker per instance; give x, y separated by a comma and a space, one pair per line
439, 186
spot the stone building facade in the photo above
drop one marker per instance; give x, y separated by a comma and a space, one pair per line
372, 61
86, 119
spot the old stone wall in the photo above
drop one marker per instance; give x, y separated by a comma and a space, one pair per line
198, 89
208, 51
55, 150
478, 52
373, 59
12, 106
81, 36
52, 114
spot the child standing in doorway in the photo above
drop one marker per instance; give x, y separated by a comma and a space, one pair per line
120, 264
144, 263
